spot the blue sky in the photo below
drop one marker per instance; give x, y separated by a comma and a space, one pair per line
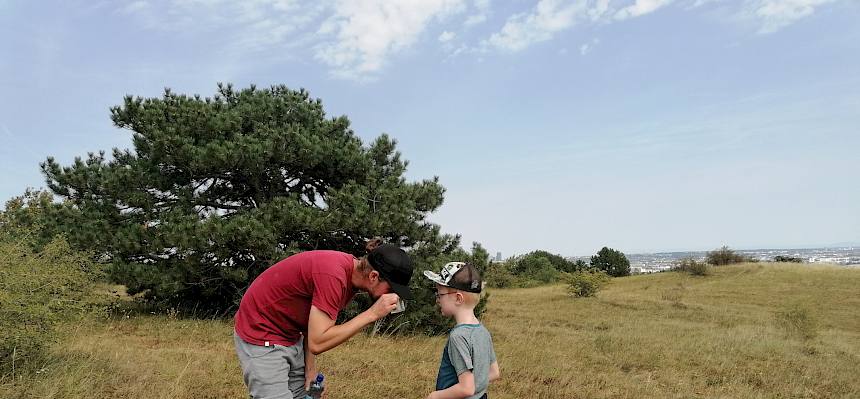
568, 125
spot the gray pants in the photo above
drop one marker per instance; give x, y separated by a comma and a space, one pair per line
272, 372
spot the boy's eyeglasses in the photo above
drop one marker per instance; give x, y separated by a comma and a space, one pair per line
437, 295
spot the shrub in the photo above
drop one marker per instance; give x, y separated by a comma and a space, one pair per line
543, 271
499, 275
586, 283
724, 256
30, 219
611, 261
37, 291
693, 267
788, 259
533, 269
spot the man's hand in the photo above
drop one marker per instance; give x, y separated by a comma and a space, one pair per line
310, 377
383, 306
309, 381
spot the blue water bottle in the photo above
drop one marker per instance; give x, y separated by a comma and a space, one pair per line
316, 389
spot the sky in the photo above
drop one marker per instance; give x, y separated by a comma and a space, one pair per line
562, 125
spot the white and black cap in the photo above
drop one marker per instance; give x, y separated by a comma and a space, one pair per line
467, 277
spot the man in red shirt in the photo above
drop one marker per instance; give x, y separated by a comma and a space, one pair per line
287, 315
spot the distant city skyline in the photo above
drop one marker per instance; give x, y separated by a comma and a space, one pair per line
841, 245
560, 125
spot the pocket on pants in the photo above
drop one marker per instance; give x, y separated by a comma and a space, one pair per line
257, 351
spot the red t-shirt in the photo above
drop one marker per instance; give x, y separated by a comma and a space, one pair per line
276, 307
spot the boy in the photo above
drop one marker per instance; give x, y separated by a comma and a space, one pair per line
468, 361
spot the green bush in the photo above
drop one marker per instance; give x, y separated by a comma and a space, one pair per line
724, 256
611, 261
543, 271
586, 283
787, 259
693, 267
37, 291
525, 265
31, 219
498, 275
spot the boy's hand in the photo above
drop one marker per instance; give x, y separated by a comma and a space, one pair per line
383, 306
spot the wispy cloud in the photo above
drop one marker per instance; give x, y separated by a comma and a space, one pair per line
777, 14
550, 17
540, 24
482, 10
587, 47
598, 9
134, 7
368, 32
640, 8
356, 39
447, 36
249, 25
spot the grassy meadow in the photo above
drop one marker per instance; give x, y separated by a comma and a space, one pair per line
746, 331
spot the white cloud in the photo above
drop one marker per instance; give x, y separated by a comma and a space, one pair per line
541, 24
369, 31
552, 16
587, 47
699, 3
640, 8
356, 38
777, 14
600, 8
247, 26
483, 9
447, 36
475, 19
134, 7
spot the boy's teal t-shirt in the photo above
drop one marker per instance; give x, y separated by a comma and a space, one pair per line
469, 348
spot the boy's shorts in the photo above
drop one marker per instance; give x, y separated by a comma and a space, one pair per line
272, 372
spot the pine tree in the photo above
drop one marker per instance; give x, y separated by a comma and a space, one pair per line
217, 189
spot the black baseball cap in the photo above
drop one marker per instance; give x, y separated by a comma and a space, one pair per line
395, 266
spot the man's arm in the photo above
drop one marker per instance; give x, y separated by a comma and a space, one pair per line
495, 373
464, 388
323, 334
310, 364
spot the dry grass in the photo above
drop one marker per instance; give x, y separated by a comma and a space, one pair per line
671, 335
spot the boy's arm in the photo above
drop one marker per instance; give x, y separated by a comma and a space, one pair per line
462, 389
494, 371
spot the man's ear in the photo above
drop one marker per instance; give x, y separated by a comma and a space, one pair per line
373, 276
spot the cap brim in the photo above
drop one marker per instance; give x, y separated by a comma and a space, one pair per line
401, 290
434, 277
